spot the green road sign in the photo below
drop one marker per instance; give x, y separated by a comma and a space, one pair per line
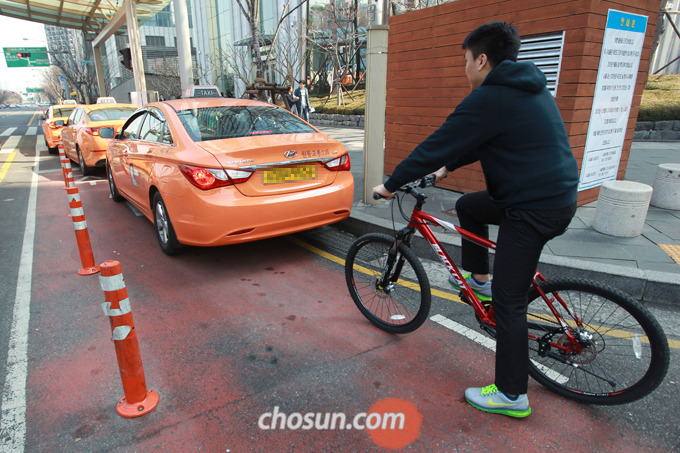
26, 57
34, 90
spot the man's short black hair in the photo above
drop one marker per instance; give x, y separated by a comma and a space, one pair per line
498, 40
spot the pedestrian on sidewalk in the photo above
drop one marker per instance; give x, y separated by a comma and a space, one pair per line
303, 102
511, 124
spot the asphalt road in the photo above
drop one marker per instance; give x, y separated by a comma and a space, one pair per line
229, 334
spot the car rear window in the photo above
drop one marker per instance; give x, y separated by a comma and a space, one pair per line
112, 114
62, 112
216, 123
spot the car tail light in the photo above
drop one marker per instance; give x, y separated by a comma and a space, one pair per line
211, 178
339, 164
94, 131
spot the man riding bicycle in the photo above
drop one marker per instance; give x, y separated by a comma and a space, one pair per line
512, 125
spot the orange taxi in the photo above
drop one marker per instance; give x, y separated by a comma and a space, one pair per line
52, 130
216, 171
82, 142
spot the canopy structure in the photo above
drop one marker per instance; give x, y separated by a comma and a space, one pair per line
99, 19
90, 16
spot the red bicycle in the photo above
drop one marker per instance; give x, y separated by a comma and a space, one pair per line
588, 341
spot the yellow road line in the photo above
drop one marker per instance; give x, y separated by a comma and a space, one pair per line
675, 344
363, 270
31, 120
5, 167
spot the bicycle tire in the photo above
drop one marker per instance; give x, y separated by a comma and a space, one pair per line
405, 305
627, 351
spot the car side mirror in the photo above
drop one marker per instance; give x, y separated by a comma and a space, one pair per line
107, 132
59, 123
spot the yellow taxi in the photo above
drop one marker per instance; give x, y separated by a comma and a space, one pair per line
51, 130
82, 142
215, 171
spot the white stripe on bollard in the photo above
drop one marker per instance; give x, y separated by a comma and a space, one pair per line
121, 332
112, 283
123, 310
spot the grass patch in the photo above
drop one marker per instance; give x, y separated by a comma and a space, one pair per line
355, 103
660, 100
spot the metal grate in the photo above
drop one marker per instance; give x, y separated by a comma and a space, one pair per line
545, 51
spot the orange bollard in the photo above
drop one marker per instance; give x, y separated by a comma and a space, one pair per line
80, 227
137, 400
65, 165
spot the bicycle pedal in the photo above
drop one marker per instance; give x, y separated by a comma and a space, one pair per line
488, 329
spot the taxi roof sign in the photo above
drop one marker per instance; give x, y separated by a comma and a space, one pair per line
106, 100
69, 102
203, 91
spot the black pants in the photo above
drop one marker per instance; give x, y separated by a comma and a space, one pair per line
521, 237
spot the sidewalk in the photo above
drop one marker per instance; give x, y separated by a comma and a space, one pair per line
638, 266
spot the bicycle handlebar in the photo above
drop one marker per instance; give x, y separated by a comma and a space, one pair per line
427, 181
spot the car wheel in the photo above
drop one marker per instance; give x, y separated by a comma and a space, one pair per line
50, 150
115, 195
87, 171
164, 230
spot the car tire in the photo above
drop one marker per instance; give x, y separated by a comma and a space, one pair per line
165, 233
50, 150
115, 195
87, 171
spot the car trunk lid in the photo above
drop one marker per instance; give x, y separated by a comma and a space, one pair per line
280, 163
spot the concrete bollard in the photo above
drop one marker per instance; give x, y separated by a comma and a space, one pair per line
667, 187
622, 208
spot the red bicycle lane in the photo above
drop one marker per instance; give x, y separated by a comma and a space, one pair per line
231, 336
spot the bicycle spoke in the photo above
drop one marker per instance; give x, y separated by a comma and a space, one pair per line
399, 306
615, 354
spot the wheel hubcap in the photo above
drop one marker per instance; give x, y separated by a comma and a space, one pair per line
112, 187
161, 223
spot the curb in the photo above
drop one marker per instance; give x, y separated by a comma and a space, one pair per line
645, 286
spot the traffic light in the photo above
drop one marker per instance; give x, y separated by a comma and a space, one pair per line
23, 54
127, 58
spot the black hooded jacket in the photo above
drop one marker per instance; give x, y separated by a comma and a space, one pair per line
512, 125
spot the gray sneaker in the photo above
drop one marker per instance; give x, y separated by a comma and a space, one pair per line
482, 291
490, 399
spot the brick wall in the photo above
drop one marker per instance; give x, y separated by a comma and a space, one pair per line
426, 70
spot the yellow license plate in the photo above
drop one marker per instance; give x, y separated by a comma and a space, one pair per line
289, 174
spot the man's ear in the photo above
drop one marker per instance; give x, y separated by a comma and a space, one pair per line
482, 61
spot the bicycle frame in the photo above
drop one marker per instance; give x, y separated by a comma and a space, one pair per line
421, 221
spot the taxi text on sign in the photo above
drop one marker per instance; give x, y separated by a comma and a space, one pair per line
623, 39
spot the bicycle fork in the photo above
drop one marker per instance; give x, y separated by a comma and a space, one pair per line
386, 283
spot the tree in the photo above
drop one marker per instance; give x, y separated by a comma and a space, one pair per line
80, 74
51, 84
251, 10
337, 36
290, 52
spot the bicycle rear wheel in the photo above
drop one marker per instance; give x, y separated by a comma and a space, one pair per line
618, 353
403, 304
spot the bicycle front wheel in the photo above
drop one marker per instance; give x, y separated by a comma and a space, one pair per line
401, 305
611, 351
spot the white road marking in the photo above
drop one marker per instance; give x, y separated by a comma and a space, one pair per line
491, 344
10, 145
132, 207
477, 337
13, 418
8, 131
